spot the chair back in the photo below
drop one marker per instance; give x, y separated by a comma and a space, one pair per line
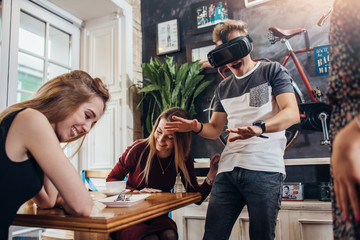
86, 176
96, 173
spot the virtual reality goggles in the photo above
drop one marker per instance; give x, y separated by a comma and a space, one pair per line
230, 51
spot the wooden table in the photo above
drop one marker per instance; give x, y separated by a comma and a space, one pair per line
103, 221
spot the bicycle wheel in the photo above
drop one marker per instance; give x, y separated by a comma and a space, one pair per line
292, 133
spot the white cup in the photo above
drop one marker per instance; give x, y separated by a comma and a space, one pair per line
115, 186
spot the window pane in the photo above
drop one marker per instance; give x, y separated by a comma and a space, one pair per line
0, 20
0, 28
31, 34
20, 97
59, 46
30, 73
55, 70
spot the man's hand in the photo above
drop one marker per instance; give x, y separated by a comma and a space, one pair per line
181, 125
244, 132
149, 190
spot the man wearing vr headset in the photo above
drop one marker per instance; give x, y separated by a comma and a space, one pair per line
258, 102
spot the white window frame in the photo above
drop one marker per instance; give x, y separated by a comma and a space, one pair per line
4, 57
38, 8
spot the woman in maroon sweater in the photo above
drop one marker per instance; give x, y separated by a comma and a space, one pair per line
153, 165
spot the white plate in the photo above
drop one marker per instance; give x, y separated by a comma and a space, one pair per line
135, 199
202, 160
113, 193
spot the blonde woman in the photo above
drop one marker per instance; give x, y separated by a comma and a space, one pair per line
32, 162
153, 165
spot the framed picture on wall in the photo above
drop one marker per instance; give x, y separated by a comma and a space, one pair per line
205, 15
199, 51
250, 3
167, 37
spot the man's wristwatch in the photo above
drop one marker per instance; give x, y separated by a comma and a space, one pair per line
260, 123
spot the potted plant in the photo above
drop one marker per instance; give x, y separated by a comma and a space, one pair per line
166, 85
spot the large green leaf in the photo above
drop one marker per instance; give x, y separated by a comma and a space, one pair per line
176, 95
170, 67
150, 88
182, 73
165, 85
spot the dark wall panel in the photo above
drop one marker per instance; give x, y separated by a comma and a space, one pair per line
280, 13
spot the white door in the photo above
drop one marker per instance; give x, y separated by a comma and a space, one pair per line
105, 56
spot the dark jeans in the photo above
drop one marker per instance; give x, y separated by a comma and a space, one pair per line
260, 191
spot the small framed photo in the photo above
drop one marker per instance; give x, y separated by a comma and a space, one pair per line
205, 15
199, 51
167, 37
250, 3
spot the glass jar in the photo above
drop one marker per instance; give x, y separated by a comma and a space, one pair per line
324, 191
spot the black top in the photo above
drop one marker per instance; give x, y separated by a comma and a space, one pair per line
20, 181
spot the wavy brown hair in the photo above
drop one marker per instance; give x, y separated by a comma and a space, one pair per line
60, 97
182, 142
222, 30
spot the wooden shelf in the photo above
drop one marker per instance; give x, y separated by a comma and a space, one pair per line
307, 161
288, 162
308, 204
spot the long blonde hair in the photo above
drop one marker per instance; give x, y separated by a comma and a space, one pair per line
182, 142
61, 96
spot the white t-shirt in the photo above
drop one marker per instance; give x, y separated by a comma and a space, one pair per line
245, 100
